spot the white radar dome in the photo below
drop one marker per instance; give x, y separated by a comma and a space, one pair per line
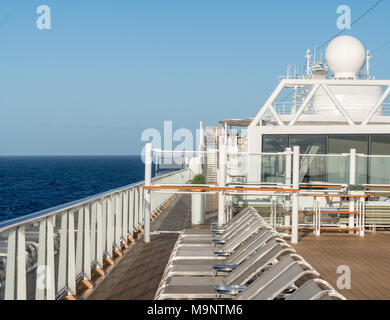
345, 56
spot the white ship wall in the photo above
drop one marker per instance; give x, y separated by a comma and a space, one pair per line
356, 100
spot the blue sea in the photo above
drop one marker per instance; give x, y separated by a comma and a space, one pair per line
30, 184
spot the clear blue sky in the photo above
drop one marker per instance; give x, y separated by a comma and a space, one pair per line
110, 69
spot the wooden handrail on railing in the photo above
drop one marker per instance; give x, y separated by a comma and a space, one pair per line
206, 188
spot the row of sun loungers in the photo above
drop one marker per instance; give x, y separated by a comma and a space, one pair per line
245, 260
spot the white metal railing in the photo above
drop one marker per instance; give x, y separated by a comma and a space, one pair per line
326, 169
45, 254
288, 108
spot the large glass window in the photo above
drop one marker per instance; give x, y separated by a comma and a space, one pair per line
379, 172
312, 168
309, 144
343, 144
374, 170
275, 143
273, 167
380, 144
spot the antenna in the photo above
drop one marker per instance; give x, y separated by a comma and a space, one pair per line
368, 71
308, 57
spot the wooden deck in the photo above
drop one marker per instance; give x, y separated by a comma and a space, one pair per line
367, 257
138, 274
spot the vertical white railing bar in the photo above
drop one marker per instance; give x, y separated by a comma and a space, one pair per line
87, 243
288, 183
93, 231
79, 242
41, 280
11, 266
352, 181
295, 201
147, 194
222, 183
21, 290
117, 221
71, 255
62, 265
50, 281
99, 234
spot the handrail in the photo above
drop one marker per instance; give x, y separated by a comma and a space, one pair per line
33, 217
203, 188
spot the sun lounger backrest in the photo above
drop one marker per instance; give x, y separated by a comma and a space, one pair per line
265, 278
244, 234
286, 279
255, 263
240, 215
307, 291
235, 230
239, 225
256, 242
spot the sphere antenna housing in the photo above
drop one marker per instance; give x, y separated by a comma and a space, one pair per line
345, 56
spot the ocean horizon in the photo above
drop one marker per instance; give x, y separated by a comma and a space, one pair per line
32, 183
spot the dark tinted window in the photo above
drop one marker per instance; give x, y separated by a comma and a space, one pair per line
275, 143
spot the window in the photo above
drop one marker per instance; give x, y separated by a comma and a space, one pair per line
379, 172
275, 143
344, 143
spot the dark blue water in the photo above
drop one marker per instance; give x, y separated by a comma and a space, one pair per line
30, 184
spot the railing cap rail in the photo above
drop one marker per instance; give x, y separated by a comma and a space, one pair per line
36, 216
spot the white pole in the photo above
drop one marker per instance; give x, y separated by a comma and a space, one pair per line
201, 137
202, 147
362, 216
295, 201
222, 179
352, 180
288, 166
288, 183
147, 196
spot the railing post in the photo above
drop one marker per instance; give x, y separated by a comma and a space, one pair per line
10, 273
40, 287
87, 244
93, 230
288, 183
295, 200
137, 222
99, 233
21, 290
131, 211
109, 226
125, 217
221, 183
147, 197
352, 181
50, 281
63, 255
71, 255
362, 215
118, 221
